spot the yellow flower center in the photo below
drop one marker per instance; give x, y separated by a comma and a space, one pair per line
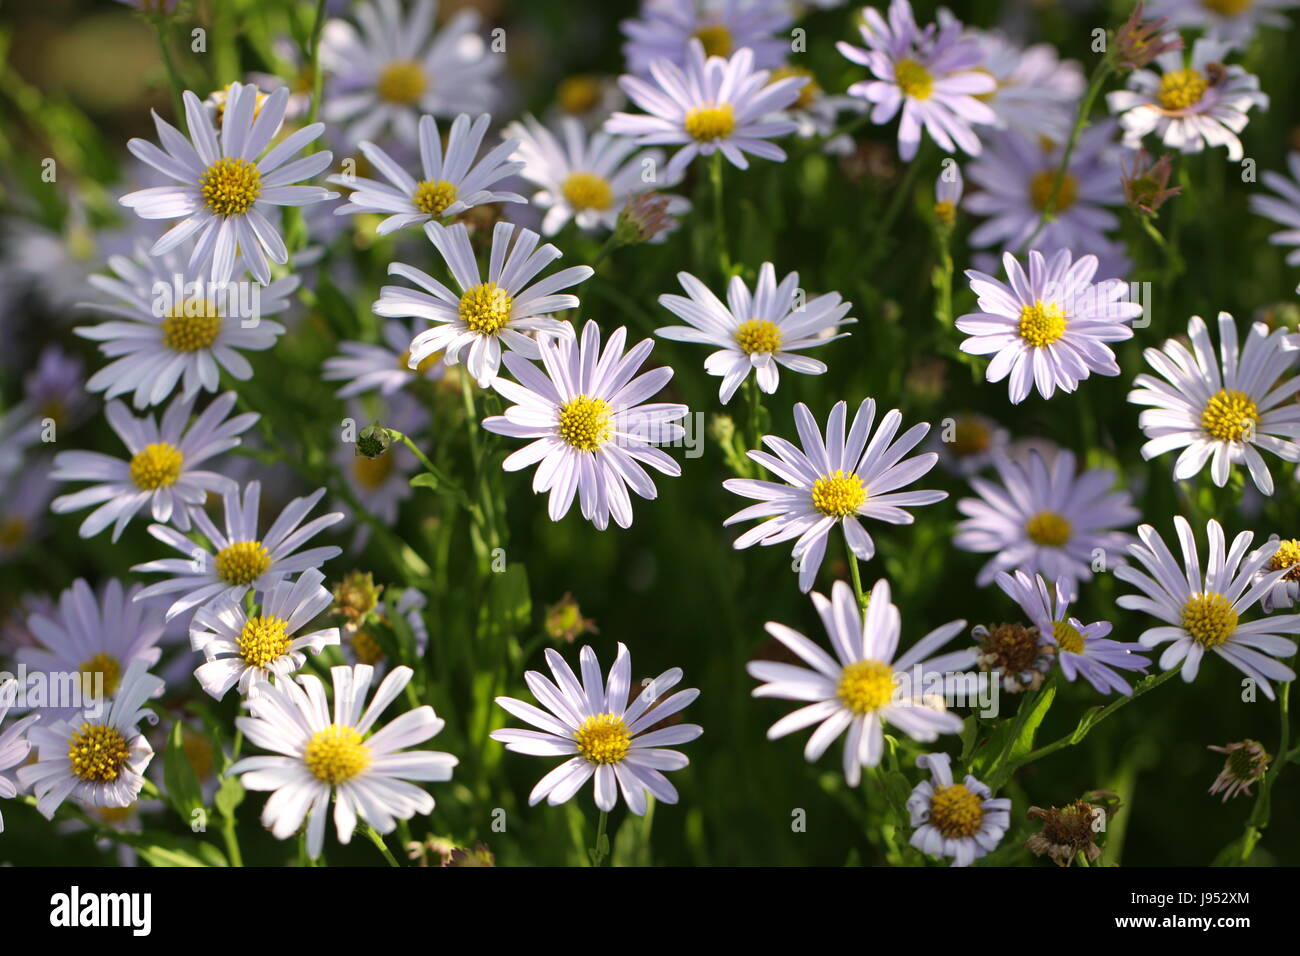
945, 212
115, 816
366, 648
970, 437
706, 123
1042, 323
1210, 618
485, 308
13, 532
242, 562
426, 363
1067, 637
263, 640
1180, 89
1228, 8
336, 754
1040, 190
97, 753
1048, 529
109, 671
371, 473
587, 191
956, 812
913, 79
191, 326
715, 38
578, 94
1287, 556
866, 686
1230, 415
759, 336
586, 423
155, 466
431, 197
402, 82
229, 186
603, 738
808, 93
839, 495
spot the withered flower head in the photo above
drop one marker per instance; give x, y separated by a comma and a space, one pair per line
1146, 185
356, 596
564, 620
439, 851
1017, 652
1246, 764
643, 217
1070, 830
1139, 41
373, 441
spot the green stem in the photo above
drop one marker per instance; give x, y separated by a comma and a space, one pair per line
317, 76
719, 216
856, 574
610, 245
173, 78
1259, 817
231, 838
895, 208
601, 850
378, 841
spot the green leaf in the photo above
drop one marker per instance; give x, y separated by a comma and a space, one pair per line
163, 849
183, 791
425, 479
229, 796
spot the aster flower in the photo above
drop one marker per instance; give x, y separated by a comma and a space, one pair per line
933, 75
589, 432
1189, 104
1019, 655
665, 29
762, 330
1234, 22
1036, 93
1070, 830
1284, 208
1146, 184
1138, 41
383, 368
360, 644
708, 105
1048, 327
238, 559
223, 187
603, 734
1246, 764
485, 314
816, 113
960, 821
447, 187
1285, 590
1046, 518
968, 443
367, 774
14, 746
1204, 614
866, 685
56, 389
162, 471
1221, 412
24, 501
1083, 650
834, 482
948, 190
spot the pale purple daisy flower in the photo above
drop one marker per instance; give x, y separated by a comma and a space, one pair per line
664, 30
961, 821
1037, 92
56, 389
1284, 208
383, 368
1285, 591
14, 746
948, 189
969, 442
1234, 22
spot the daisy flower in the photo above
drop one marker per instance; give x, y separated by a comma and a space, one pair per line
385, 368
1221, 412
223, 188
248, 649
587, 178
503, 309
933, 75
1047, 519
1189, 105
368, 774
588, 430
157, 339
399, 67
14, 747
817, 114
1204, 614
1084, 650
1285, 591
865, 685
238, 559
447, 188
708, 105
1234, 22
968, 443
1246, 765
1048, 327
664, 30
834, 483
98, 761
162, 471
24, 503
360, 645
603, 733
960, 821
1284, 208
760, 330
1037, 92
56, 389
948, 189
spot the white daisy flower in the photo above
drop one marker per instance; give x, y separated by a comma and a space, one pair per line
503, 309
367, 367
223, 187
399, 67
1189, 105
1220, 412
1284, 208
960, 821
587, 178
588, 429
238, 559
447, 187
162, 471
664, 30
158, 340
14, 747
1046, 519
708, 105
1234, 22
866, 685
1037, 92
246, 649
98, 761
1285, 591
603, 734
759, 331
367, 774
1204, 614
968, 443
1048, 327
834, 483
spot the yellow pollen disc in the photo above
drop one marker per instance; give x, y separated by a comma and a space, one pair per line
485, 308
1230, 415
913, 79
716, 40
970, 436
866, 686
155, 466
366, 648
431, 197
945, 212
808, 93
108, 668
401, 82
191, 326
839, 495
1067, 638
1209, 618
956, 812
1042, 323
587, 191
336, 754
603, 738
1048, 529
229, 186
13, 532
371, 473
426, 363
586, 423
578, 94
115, 816
1287, 556
1228, 8
263, 640
97, 753
1181, 89
1040, 190
759, 336
242, 562
706, 123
